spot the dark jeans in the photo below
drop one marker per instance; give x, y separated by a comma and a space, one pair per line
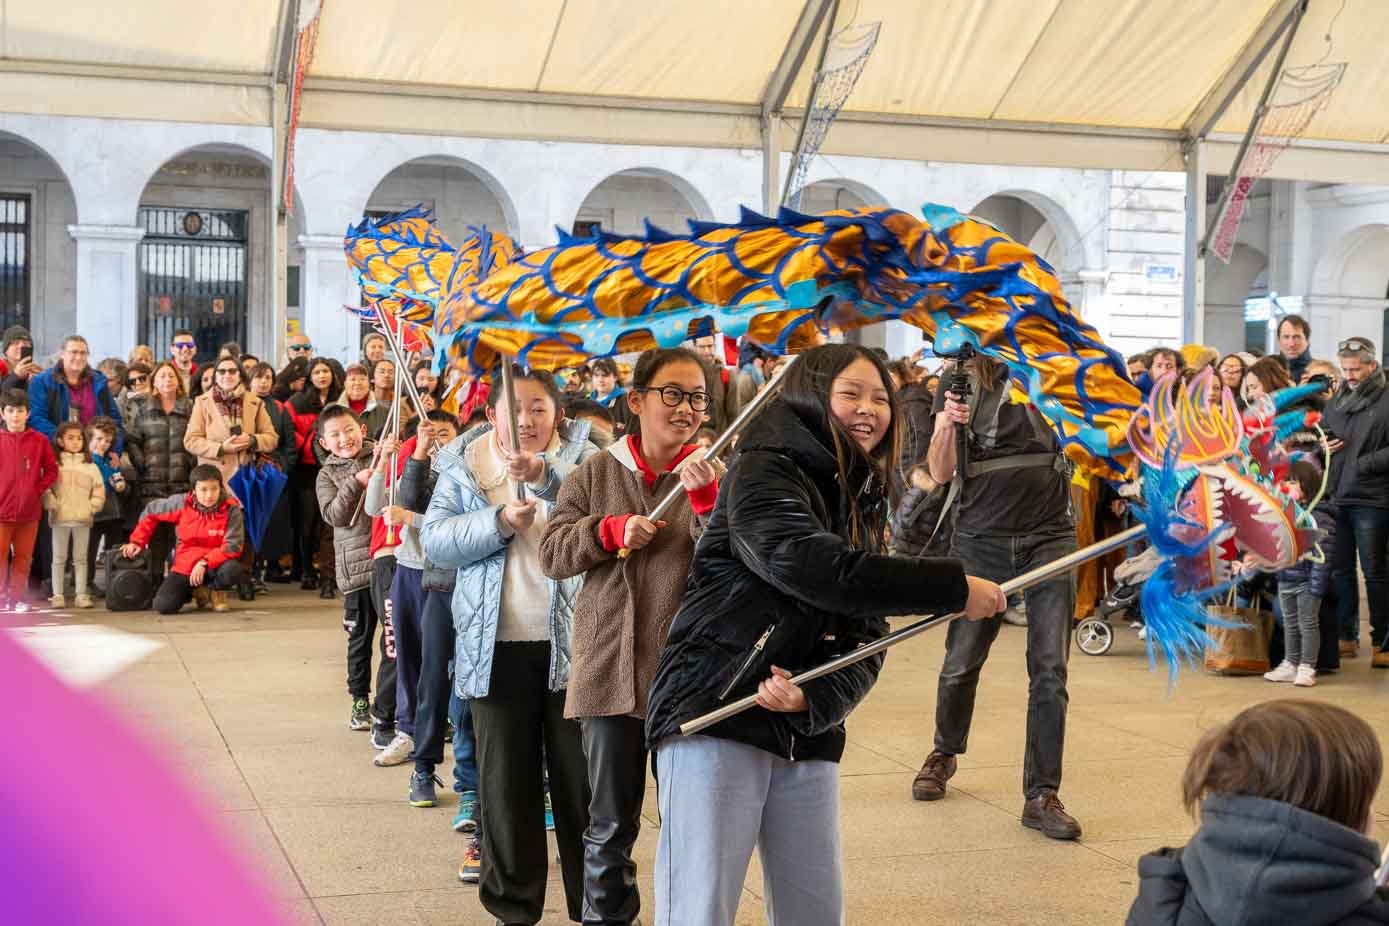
360, 619
157, 551
433, 702
175, 591
1050, 615
406, 607
519, 717
464, 743
616, 751
1364, 529
307, 520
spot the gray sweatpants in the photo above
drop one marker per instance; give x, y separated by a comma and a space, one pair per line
718, 799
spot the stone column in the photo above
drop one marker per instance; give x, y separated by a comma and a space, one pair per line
107, 285
328, 285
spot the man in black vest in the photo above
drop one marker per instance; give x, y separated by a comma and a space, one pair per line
1012, 509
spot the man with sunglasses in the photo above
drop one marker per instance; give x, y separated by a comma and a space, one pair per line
1357, 421
183, 350
299, 347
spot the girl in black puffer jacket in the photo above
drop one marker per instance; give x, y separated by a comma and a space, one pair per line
789, 572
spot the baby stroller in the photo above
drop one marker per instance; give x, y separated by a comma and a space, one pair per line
1095, 634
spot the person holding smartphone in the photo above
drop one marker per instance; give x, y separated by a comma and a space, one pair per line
17, 346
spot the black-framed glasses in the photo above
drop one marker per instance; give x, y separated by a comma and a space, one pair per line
138, 380
1356, 344
234, 370
673, 396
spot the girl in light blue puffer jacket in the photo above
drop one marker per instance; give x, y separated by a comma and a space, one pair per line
511, 655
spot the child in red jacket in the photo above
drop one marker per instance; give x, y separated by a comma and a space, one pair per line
28, 468
211, 532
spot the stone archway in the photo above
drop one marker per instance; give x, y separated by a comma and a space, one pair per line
622, 202
1350, 290
827, 195
1228, 285
38, 255
459, 192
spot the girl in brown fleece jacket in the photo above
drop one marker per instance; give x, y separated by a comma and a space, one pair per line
626, 605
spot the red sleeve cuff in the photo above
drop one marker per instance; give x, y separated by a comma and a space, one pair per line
611, 530
702, 499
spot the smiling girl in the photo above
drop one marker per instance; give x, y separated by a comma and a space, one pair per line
789, 573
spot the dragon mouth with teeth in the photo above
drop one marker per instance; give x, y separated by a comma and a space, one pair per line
1195, 427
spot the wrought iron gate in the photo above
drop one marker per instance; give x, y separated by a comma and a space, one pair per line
193, 275
15, 237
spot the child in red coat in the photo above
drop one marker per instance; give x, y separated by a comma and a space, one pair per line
211, 533
28, 469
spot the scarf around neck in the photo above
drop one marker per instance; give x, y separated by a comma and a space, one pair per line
1352, 401
229, 403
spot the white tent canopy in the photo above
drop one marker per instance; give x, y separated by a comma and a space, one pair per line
1075, 83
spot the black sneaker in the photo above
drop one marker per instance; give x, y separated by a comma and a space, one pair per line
422, 786
246, 591
327, 589
310, 583
382, 734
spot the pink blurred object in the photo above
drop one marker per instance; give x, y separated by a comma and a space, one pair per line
97, 827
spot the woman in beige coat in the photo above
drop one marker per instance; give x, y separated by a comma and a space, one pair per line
228, 428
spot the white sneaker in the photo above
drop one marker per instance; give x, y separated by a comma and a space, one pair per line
1285, 672
400, 749
84, 601
1306, 676
1015, 616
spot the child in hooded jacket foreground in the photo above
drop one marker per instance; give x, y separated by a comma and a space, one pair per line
789, 572
1286, 793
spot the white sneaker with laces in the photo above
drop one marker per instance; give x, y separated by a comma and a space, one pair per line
400, 749
1306, 676
1284, 672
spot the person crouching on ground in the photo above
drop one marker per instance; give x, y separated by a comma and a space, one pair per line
210, 535
626, 605
789, 573
340, 487
511, 658
1285, 794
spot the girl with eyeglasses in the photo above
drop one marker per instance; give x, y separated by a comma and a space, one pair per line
626, 605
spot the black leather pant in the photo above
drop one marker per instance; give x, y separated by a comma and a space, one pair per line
616, 751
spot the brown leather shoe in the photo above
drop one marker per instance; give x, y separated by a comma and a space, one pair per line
1380, 659
1350, 649
929, 784
1045, 812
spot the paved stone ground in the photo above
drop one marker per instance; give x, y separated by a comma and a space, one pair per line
251, 706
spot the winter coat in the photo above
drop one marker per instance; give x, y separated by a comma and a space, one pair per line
78, 494
915, 400
112, 509
304, 409
460, 530
775, 566
215, 534
155, 444
1360, 417
338, 493
286, 453
28, 469
48, 402
208, 429
1259, 862
1316, 576
625, 608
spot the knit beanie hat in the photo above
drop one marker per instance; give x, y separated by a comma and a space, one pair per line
15, 333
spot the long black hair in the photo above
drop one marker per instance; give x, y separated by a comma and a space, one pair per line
307, 400
806, 391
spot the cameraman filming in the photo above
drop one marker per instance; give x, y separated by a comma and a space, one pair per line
1010, 493
1357, 421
